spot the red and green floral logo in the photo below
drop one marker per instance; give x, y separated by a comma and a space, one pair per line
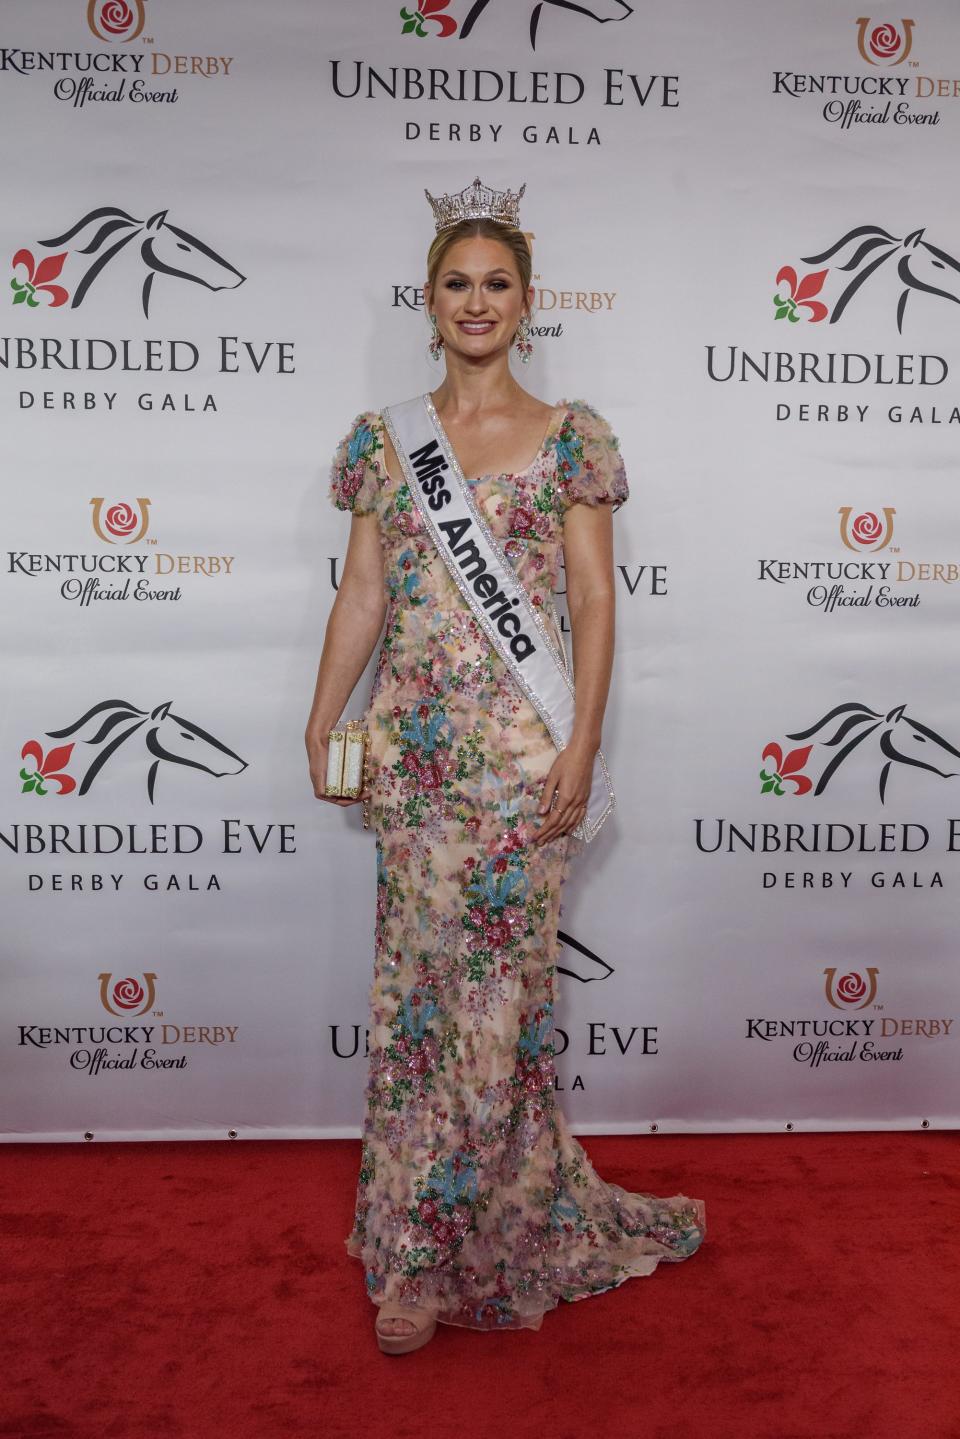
428, 13
784, 769
799, 295
46, 769
38, 280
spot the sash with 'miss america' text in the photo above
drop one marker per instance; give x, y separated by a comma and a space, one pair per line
489, 583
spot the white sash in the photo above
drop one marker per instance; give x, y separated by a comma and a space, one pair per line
489, 584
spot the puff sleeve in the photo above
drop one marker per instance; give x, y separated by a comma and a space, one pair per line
357, 470
590, 467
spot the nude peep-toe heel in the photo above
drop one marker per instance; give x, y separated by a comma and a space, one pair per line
424, 1327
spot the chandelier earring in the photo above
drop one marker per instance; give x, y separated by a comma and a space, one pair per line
523, 342
436, 339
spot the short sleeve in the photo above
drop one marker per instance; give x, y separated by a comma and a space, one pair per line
357, 470
590, 467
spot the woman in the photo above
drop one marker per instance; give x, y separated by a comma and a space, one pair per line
475, 1205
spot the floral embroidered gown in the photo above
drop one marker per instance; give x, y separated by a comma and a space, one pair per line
474, 1200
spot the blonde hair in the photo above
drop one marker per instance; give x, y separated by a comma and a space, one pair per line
515, 241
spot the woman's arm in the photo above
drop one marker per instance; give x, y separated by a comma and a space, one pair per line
588, 562
353, 629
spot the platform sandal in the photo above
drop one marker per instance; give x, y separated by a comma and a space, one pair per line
424, 1326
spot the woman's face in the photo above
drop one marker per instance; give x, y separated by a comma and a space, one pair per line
477, 297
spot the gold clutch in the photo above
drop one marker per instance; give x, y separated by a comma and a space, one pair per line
347, 763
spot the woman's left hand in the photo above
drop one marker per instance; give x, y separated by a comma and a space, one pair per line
566, 791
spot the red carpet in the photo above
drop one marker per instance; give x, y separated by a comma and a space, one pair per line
202, 1290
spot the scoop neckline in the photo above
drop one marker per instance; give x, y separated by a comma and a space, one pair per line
556, 419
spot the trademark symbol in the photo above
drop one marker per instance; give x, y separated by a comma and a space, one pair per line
914, 64
878, 1006
151, 542
158, 1014
894, 549
146, 41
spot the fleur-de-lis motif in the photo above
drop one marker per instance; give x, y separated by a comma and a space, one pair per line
800, 294
411, 579
456, 1183
425, 732
533, 1036
50, 769
39, 278
562, 1209
509, 799
414, 20
416, 1013
785, 769
497, 889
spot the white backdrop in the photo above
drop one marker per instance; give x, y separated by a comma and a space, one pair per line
217, 233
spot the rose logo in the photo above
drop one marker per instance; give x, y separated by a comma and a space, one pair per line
866, 530
785, 769
851, 989
799, 293
121, 519
127, 993
885, 44
115, 19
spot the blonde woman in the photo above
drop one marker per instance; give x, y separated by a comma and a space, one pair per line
475, 1204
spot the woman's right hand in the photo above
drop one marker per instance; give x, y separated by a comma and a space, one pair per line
317, 758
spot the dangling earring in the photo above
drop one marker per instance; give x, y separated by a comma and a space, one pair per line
523, 341
436, 342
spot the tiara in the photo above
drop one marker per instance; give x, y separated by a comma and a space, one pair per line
477, 202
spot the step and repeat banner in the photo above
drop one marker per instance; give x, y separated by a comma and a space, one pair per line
746, 253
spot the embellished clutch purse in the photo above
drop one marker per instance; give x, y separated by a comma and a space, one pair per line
347, 763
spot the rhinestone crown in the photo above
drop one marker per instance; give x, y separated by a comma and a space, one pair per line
477, 202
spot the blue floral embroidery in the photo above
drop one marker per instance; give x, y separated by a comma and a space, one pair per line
508, 887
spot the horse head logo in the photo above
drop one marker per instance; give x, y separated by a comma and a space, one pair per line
900, 738
582, 963
862, 250
165, 249
420, 15
167, 738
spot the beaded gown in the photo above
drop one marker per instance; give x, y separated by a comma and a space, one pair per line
474, 1200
